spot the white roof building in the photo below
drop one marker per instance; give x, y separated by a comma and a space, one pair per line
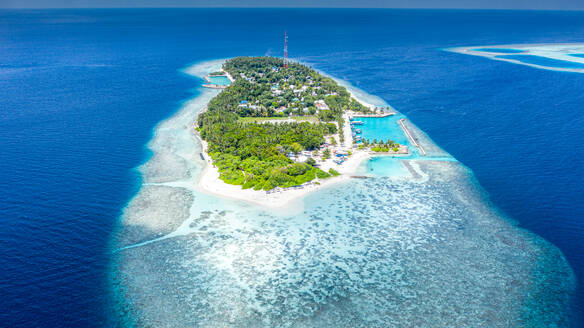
321, 105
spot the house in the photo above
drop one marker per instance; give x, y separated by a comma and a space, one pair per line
244, 104
321, 105
301, 158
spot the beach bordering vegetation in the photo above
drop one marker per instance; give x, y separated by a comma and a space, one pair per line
279, 130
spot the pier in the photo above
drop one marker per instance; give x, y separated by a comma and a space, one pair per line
410, 136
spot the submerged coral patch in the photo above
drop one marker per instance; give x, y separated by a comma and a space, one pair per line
543, 61
500, 50
556, 57
425, 250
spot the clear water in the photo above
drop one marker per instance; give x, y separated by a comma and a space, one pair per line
577, 55
383, 128
82, 92
500, 50
359, 254
386, 166
220, 80
543, 61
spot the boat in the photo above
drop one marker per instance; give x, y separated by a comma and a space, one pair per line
357, 122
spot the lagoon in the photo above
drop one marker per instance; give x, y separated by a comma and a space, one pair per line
219, 80
360, 253
385, 166
99, 114
382, 128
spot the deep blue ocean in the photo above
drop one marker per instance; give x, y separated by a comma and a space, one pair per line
81, 91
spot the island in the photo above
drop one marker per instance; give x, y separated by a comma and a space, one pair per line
277, 129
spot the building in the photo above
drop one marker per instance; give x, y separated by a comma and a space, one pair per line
321, 105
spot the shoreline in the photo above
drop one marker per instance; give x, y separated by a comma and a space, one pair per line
211, 85
362, 223
372, 115
210, 183
279, 198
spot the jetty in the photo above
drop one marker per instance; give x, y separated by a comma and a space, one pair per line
411, 137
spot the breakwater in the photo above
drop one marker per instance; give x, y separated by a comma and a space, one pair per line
411, 137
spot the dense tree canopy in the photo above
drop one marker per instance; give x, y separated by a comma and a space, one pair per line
255, 155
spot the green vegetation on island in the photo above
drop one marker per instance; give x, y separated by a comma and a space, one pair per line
380, 146
248, 139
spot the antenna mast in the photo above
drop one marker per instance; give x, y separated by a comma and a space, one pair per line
285, 50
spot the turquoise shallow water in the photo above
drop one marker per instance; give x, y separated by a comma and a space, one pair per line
385, 166
220, 80
543, 61
417, 236
382, 128
83, 90
388, 127
500, 50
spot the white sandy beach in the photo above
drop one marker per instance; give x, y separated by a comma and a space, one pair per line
209, 181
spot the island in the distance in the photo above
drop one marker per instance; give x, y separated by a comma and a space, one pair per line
280, 127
